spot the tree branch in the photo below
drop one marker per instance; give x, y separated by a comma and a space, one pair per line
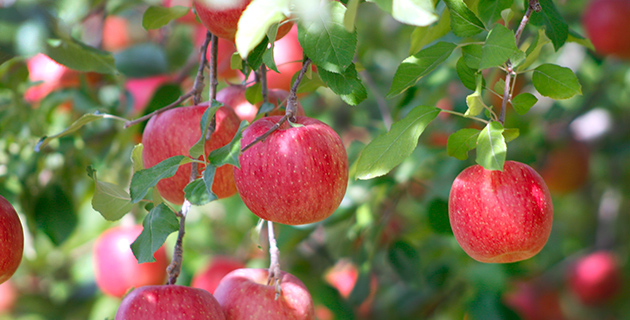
274, 277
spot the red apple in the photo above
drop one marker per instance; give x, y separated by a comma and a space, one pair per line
117, 270
234, 97
11, 240
297, 175
209, 278
190, 17
173, 132
606, 24
221, 17
343, 276
143, 89
169, 302
566, 168
500, 216
535, 301
8, 297
116, 33
244, 294
596, 278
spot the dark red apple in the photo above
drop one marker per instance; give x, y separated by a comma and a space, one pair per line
11, 240
343, 276
117, 270
209, 278
596, 278
500, 216
173, 132
169, 302
297, 175
8, 297
234, 97
244, 294
221, 17
606, 24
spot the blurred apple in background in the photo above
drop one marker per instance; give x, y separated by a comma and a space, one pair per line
566, 168
117, 270
209, 278
287, 54
606, 23
8, 297
534, 301
52, 75
116, 33
234, 97
596, 278
143, 89
343, 276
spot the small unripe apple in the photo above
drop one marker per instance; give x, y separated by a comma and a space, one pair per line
221, 17
209, 278
169, 302
297, 175
596, 278
173, 132
606, 24
117, 270
244, 294
11, 240
500, 216
234, 97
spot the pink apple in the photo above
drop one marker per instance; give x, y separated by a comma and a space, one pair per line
234, 97
500, 216
173, 132
169, 302
8, 296
143, 89
343, 276
596, 278
117, 270
297, 175
209, 278
606, 24
221, 17
11, 240
244, 294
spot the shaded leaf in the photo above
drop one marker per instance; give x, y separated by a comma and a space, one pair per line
199, 191
464, 22
556, 28
157, 226
110, 200
523, 102
347, 85
156, 17
462, 141
228, 154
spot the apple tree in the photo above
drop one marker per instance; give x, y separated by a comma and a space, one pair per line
403, 159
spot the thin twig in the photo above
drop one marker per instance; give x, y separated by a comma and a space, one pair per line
214, 49
199, 84
274, 277
177, 102
380, 100
263, 83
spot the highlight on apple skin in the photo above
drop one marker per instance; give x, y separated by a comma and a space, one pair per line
500, 216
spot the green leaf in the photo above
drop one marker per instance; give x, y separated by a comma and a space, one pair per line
228, 154
466, 74
157, 226
419, 13
253, 93
507, 16
556, 28
523, 102
474, 101
463, 21
351, 15
556, 82
199, 191
156, 17
110, 200
419, 65
54, 213
255, 57
511, 134
326, 41
388, 150
347, 85
491, 147
256, 20
142, 60
267, 58
421, 36
462, 141
136, 157
499, 47
145, 179
533, 51
490, 10
579, 39
76, 55
76, 125
472, 55
198, 149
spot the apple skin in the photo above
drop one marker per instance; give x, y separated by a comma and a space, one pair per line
500, 216
117, 270
606, 24
297, 175
596, 278
566, 168
11, 240
234, 97
173, 132
169, 302
209, 278
222, 20
343, 276
244, 294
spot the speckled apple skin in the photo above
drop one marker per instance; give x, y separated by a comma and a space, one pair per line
500, 216
169, 302
173, 132
244, 295
297, 175
11, 240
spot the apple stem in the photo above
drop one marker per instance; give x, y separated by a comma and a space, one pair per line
274, 257
534, 5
